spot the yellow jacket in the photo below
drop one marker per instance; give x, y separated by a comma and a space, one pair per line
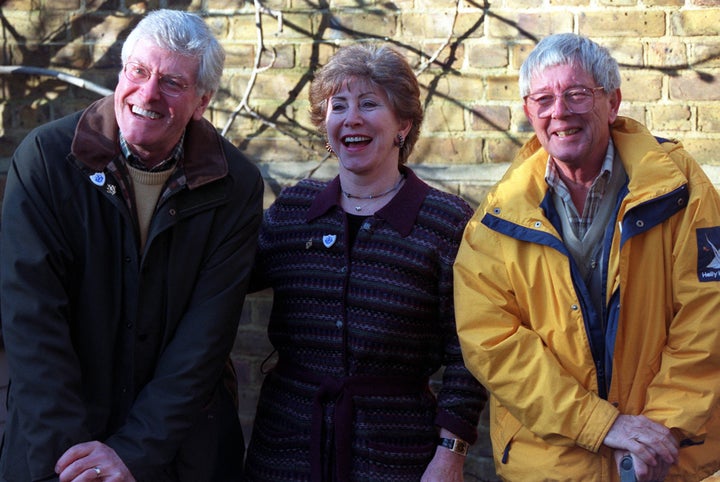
530, 335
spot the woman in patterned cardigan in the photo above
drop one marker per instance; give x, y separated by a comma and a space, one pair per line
361, 272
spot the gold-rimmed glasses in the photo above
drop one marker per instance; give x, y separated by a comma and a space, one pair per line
578, 100
169, 84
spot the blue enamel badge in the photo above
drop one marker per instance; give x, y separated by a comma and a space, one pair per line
98, 178
708, 241
328, 240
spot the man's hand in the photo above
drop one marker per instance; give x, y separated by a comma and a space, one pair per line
652, 445
92, 461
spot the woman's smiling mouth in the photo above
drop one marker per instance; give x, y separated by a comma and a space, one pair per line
349, 140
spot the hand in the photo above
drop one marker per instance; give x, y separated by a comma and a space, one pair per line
92, 461
446, 466
643, 472
652, 445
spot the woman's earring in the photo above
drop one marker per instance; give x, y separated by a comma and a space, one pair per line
328, 147
400, 141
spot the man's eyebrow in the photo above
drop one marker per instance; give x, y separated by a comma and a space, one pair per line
144, 66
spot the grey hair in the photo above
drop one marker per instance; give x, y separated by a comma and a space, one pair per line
569, 48
185, 34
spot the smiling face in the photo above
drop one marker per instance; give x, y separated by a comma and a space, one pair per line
362, 127
575, 140
153, 122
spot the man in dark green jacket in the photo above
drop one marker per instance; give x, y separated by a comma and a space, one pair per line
129, 231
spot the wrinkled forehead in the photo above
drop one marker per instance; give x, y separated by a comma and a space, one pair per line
561, 74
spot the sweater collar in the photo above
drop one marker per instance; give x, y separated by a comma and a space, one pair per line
96, 144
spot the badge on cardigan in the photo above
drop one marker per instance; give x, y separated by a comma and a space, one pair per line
708, 241
329, 240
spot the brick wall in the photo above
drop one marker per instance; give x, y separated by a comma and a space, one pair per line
466, 54
669, 51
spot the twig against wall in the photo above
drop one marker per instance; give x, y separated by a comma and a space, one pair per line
257, 68
70, 79
444, 45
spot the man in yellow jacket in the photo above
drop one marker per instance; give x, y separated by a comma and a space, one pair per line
587, 288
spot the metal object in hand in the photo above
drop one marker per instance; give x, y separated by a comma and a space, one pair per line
627, 472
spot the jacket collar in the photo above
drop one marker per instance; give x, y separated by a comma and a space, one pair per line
521, 195
96, 144
651, 171
400, 213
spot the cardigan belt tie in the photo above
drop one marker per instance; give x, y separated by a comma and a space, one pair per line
340, 392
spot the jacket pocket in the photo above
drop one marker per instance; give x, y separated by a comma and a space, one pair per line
502, 431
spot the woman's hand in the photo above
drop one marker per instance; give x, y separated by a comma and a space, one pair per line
446, 466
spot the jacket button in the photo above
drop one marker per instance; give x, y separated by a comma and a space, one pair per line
172, 212
339, 324
574, 307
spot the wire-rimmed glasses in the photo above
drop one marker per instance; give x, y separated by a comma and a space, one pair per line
578, 100
169, 85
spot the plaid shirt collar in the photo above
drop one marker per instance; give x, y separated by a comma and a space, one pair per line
581, 223
175, 155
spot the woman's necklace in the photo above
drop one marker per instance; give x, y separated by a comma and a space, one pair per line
372, 197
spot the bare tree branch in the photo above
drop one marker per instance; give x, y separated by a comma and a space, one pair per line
70, 79
445, 44
257, 69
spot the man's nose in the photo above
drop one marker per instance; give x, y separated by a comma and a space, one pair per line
559, 108
151, 88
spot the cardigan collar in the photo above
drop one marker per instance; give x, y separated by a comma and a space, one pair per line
400, 212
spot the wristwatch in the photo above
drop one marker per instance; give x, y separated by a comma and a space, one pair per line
456, 445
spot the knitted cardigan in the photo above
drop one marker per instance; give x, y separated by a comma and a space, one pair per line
358, 331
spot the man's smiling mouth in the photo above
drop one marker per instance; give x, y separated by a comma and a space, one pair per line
145, 113
566, 133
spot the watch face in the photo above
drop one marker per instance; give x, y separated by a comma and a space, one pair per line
456, 445
461, 446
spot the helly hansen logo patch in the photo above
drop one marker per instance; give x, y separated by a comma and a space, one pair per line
708, 240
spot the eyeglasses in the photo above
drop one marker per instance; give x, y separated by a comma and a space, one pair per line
169, 85
578, 100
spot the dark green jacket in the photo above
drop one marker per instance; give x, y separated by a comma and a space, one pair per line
105, 342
